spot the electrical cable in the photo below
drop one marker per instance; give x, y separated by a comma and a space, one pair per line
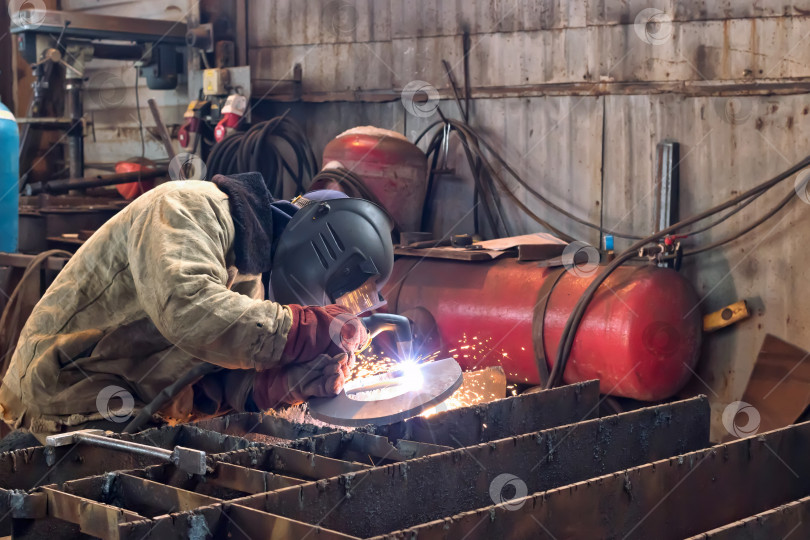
483, 185
479, 142
725, 217
344, 178
350, 184
768, 215
264, 147
569, 332
140, 129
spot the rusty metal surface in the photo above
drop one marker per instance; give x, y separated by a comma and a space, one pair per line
24, 470
226, 521
609, 477
168, 437
99, 504
671, 498
93, 518
138, 495
791, 520
242, 424
248, 524
383, 499
291, 462
366, 448
501, 418
225, 481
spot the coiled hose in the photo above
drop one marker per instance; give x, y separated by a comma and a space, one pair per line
347, 182
262, 148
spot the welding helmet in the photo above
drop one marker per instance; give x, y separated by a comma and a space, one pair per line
334, 252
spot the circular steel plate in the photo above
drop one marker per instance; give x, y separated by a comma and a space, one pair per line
440, 379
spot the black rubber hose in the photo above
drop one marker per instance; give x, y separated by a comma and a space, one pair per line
569, 332
524, 184
345, 177
264, 148
768, 215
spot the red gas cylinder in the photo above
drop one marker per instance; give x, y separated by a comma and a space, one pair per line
640, 335
133, 190
389, 165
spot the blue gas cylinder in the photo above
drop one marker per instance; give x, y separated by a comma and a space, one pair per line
9, 180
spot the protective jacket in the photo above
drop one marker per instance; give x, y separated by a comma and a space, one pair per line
171, 281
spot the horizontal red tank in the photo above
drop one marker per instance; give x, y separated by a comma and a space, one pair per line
640, 335
389, 165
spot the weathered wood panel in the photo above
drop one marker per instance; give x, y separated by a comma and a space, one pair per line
306, 22
690, 57
521, 48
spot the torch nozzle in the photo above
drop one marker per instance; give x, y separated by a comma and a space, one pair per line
399, 324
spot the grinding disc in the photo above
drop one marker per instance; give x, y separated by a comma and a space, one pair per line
439, 380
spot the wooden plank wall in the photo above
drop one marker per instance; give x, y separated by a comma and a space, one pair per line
576, 95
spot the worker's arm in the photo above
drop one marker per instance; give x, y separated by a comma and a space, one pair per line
177, 252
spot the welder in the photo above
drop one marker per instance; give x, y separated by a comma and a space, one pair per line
165, 308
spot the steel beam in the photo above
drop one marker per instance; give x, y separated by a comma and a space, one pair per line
169, 437
290, 462
503, 418
76, 24
384, 499
226, 521
225, 481
24, 470
365, 448
672, 498
788, 521
242, 424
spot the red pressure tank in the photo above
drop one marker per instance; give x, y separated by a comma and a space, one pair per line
640, 335
389, 165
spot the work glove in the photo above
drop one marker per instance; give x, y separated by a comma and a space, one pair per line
327, 330
323, 376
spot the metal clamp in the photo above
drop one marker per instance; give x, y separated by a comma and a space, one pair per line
186, 459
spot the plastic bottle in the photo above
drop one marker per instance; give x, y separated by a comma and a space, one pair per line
9, 180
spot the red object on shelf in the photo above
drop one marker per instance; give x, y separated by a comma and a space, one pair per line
132, 190
190, 125
640, 334
389, 165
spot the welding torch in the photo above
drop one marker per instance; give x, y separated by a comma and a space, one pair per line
398, 324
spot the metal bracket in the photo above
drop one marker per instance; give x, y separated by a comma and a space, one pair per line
186, 459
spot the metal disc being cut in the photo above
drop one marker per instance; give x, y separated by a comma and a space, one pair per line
390, 397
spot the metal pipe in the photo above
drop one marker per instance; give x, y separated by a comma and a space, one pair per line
76, 131
124, 446
62, 186
186, 459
